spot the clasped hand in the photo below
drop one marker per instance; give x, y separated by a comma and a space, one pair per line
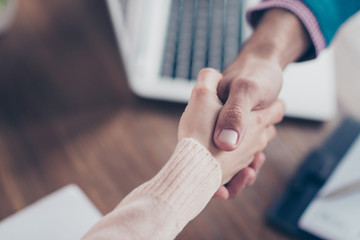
199, 120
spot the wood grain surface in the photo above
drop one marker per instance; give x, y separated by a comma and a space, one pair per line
67, 116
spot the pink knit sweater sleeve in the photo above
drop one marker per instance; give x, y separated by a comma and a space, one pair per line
161, 207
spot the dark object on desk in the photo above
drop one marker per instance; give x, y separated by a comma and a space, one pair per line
309, 179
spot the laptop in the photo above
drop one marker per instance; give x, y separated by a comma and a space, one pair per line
165, 43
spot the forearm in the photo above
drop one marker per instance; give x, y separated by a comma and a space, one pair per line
279, 37
161, 207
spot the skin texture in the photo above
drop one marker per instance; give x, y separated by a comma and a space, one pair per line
199, 119
253, 81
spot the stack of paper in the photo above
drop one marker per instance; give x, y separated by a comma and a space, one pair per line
65, 214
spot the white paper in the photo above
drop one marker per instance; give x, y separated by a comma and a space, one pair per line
338, 217
65, 214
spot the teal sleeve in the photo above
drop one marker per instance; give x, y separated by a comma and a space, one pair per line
331, 14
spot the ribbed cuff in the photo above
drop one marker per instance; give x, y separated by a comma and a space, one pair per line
187, 182
302, 12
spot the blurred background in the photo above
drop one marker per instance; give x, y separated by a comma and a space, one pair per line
67, 116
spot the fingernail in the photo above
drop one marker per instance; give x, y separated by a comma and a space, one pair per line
229, 136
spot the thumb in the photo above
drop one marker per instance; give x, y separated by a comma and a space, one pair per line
232, 122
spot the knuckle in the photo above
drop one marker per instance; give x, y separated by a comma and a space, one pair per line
280, 111
272, 132
206, 71
263, 142
223, 90
244, 85
280, 116
234, 114
260, 119
252, 178
201, 92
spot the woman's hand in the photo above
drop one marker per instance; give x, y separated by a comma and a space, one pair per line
200, 117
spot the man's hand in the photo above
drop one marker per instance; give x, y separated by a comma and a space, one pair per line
248, 85
253, 81
200, 117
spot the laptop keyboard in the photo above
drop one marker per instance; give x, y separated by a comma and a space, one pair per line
201, 33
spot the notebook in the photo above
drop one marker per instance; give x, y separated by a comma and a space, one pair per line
337, 217
317, 203
65, 214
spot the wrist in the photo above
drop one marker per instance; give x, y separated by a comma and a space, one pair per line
255, 66
259, 54
279, 37
264, 51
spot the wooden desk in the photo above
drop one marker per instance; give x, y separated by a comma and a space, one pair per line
68, 116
